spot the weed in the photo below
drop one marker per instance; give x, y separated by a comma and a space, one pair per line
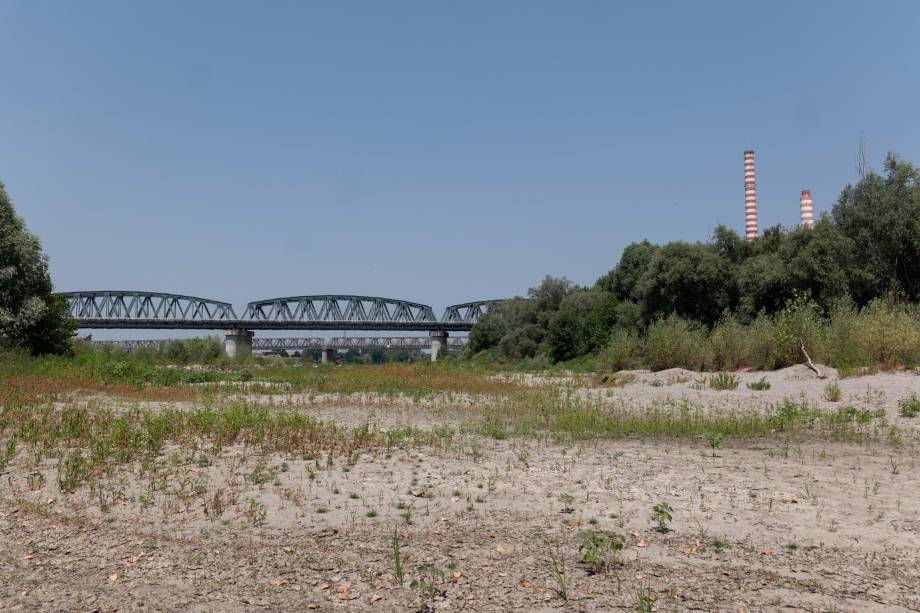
9, 452
558, 572
760, 385
909, 407
717, 545
71, 471
661, 514
427, 585
715, 440
567, 500
832, 392
723, 381
600, 549
895, 467
645, 599
215, 505
398, 559
255, 512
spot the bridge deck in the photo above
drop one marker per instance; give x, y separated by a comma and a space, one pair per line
261, 324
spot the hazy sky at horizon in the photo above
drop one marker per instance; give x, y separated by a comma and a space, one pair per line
432, 151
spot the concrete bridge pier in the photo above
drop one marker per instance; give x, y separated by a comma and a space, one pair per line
327, 356
238, 342
438, 342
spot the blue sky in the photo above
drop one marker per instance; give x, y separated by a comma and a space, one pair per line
433, 151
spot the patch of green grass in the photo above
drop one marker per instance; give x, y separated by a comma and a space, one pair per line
723, 381
832, 392
760, 385
909, 407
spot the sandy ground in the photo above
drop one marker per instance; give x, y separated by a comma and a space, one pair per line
763, 526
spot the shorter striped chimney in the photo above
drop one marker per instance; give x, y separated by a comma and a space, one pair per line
750, 197
805, 209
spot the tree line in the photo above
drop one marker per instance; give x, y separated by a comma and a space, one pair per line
865, 249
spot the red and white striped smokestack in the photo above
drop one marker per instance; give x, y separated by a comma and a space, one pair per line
805, 209
750, 197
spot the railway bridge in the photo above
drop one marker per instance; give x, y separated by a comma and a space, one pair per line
116, 309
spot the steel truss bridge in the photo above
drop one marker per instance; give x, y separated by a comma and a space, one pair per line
152, 310
301, 344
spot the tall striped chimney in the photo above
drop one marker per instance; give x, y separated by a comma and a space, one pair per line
805, 209
750, 197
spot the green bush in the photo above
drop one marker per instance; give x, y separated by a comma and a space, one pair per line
844, 349
909, 407
729, 344
674, 342
623, 352
889, 334
797, 323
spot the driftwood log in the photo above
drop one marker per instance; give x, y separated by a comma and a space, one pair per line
808, 361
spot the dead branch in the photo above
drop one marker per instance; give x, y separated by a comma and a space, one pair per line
808, 361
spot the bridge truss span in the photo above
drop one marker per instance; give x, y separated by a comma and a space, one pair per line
116, 308
339, 309
469, 312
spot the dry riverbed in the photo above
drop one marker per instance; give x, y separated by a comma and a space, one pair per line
468, 521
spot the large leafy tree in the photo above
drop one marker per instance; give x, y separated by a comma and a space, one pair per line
690, 279
30, 315
623, 280
881, 214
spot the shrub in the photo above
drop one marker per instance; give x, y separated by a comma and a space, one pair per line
760, 345
798, 322
729, 343
760, 385
909, 407
623, 352
832, 392
723, 381
675, 342
844, 349
889, 334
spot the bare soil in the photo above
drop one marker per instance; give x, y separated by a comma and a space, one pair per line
758, 525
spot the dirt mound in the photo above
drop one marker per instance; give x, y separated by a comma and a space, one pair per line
800, 372
675, 374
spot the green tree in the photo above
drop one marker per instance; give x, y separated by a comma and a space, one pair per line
487, 332
689, 279
882, 217
763, 283
30, 315
623, 280
563, 336
822, 262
